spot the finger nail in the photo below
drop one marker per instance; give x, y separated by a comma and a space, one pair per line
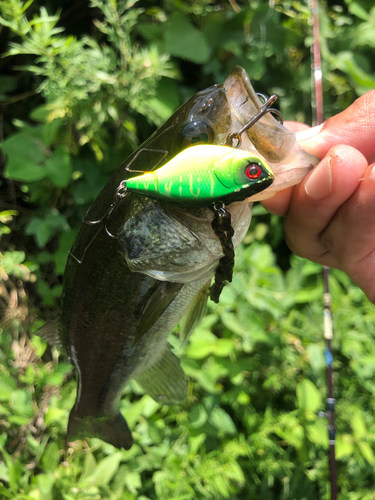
308, 133
319, 184
372, 175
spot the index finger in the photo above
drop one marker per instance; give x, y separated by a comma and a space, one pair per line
318, 197
354, 127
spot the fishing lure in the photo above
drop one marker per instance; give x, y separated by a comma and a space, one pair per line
204, 174
208, 176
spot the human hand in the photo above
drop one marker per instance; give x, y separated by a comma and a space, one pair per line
330, 215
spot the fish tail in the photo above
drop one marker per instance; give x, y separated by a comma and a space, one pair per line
113, 430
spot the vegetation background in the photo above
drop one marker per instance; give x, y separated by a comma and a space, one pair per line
82, 85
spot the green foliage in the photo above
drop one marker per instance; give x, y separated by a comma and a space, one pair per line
250, 426
77, 98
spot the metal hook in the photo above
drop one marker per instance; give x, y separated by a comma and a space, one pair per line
218, 206
262, 97
118, 197
266, 108
120, 194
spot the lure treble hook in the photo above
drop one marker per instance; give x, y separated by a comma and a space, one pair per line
266, 108
117, 199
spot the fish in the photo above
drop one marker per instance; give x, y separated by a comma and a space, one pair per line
204, 174
138, 263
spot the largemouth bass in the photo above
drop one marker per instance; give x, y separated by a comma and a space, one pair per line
143, 264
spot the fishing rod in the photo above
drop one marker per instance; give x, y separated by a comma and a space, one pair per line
317, 107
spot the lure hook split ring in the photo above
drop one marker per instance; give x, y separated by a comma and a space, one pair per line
218, 206
266, 108
121, 190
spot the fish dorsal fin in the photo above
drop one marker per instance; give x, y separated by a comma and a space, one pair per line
195, 313
155, 306
51, 332
165, 380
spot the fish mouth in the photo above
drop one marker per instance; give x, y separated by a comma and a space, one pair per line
268, 138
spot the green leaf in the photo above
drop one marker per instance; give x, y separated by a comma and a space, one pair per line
13, 470
24, 146
366, 451
183, 40
45, 483
61, 254
59, 167
18, 420
51, 130
308, 396
165, 102
357, 10
154, 432
39, 345
195, 443
5, 491
26, 155
316, 356
220, 419
133, 481
362, 81
43, 233
198, 350
105, 470
317, 433
22, 402
4, 474
51, 457
223, 347
7, 385
197, 416
54, 415
22, 170
41, 113
358, 426
344, 446
45, 229
89, 466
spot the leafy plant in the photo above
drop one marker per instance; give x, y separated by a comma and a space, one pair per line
77, 97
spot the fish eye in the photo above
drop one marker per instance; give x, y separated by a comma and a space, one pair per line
196, 132
253, 171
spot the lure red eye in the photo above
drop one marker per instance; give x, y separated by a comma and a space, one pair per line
253, 171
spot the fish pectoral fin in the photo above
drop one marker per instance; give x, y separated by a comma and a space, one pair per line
112, 430
51, 333
165, 380
195, 313
155, 306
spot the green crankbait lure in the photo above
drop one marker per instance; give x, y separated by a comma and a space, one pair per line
207, 176
203, 174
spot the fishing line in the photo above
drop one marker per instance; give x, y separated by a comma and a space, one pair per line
317, 108
263, 35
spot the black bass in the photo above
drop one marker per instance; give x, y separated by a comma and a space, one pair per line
142, 265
